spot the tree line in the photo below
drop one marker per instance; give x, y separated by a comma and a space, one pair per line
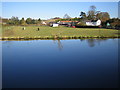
93, 15
15, 21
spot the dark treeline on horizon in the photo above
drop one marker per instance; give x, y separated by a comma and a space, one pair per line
16, 21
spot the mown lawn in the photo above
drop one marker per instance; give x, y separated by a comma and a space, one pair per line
47, 32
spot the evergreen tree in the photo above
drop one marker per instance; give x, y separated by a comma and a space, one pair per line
29, 21
22, 21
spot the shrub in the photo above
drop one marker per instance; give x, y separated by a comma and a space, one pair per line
81, 24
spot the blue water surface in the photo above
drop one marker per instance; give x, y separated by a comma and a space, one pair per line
81, 63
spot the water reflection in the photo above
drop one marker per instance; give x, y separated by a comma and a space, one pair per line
60, 63
93, 42
59, 43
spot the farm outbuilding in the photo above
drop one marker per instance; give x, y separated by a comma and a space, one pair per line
55, 25
93, 23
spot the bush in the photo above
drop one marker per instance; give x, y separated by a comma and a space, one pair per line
81, 24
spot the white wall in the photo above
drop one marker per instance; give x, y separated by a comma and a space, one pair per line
55, 25
94, 23
89, 24
98, 23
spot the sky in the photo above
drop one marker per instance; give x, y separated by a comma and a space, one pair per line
47, 10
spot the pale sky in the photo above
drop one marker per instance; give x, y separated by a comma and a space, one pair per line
47, 10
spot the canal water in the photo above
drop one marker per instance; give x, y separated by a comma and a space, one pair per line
80, 63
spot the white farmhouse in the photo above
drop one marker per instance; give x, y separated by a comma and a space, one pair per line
55, 25
93, 23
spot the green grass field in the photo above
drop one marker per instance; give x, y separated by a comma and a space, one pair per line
46, 32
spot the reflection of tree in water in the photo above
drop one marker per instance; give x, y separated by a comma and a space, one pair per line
93, 42
11, 43
60, 46
82, 39
8, 43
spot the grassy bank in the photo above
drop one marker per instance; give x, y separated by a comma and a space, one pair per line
46, 32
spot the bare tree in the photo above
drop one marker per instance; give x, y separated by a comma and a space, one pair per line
66, 16
92, 12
